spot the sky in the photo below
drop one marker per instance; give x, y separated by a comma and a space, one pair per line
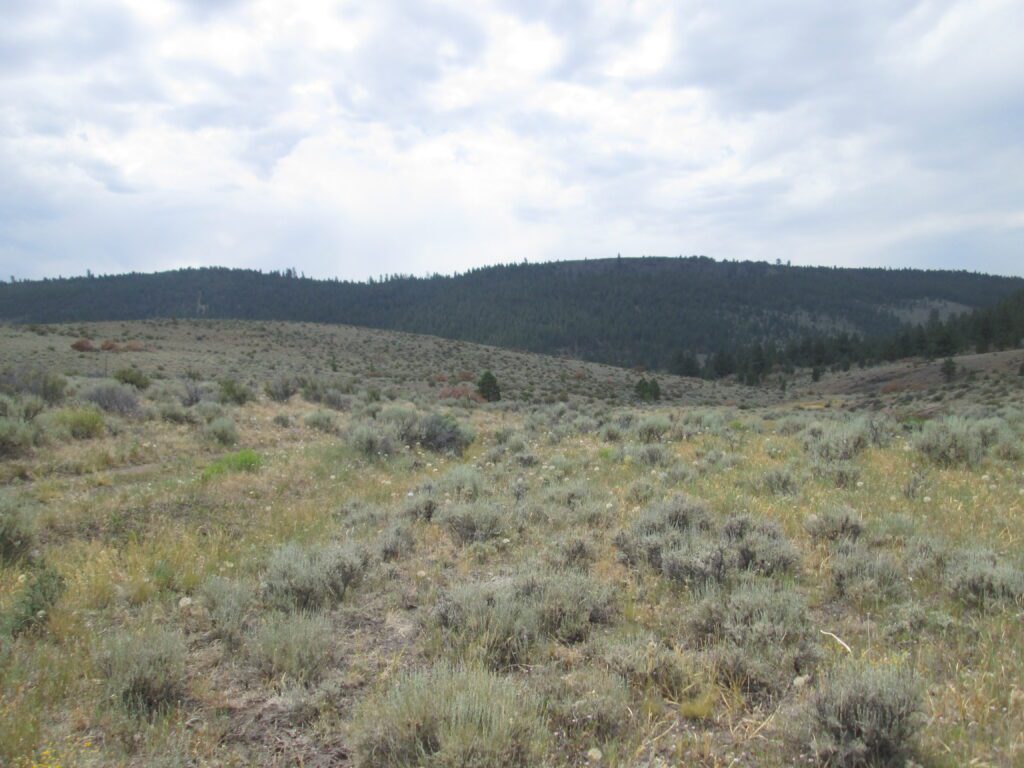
358, 139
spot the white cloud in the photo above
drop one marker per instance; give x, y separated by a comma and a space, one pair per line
408, 137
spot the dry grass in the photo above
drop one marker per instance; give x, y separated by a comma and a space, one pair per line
154, 535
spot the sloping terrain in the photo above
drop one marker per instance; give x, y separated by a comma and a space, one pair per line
620, 311
341, 354
206, 562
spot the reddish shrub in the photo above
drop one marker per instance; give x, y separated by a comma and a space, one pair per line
440, 378
83, 345
110, 346
135, 346
460, 393
466, 376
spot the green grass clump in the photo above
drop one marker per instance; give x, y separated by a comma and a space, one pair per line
79, 423
233, 392
145, 672
245, 460
30, 608
16, 437
450, 717
862, 716
132, 377
17, 536
312, 578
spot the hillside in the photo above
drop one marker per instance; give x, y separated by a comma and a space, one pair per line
360, 571
617, 311
341, 356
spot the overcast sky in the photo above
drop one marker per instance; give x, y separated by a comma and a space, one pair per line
354, 139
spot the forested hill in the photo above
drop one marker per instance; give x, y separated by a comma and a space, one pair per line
620, 311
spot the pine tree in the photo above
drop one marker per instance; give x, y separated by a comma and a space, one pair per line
949, 369
488, 388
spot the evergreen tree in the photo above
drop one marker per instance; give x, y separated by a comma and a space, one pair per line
488, 388
949, 369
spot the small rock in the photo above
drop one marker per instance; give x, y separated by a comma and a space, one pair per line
801, 681
185, 603
594, 755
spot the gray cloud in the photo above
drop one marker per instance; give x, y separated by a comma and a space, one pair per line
417, 137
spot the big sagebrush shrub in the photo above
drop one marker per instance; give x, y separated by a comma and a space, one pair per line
742, 545
470, 523
48, 385
757, 637
16, 437
145, 671
221, 430
234, 392
861, 573
499, 622
228, 603
463, 483
281, 388
118, 399
450, 717
862, 715
950, 442
314, 577
373, 440
835, 524
979, 578
645, 664
659, 527
443, 434
586, 707
295, 645
17, 537
652, 428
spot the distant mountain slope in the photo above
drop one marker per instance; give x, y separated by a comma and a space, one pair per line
619, 311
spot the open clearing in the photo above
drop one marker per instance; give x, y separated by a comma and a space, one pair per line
288, 544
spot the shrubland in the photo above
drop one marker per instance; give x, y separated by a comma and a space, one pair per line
341, 567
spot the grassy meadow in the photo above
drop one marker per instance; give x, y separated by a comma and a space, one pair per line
232, 544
